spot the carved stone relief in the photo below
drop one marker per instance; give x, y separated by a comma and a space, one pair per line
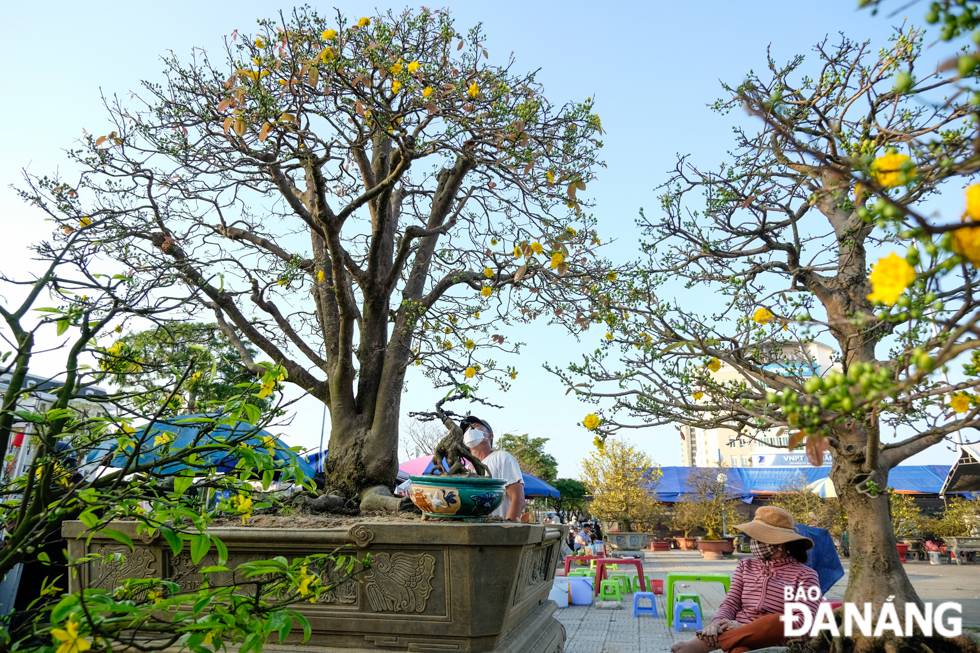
133, 564
535, 563
400, 582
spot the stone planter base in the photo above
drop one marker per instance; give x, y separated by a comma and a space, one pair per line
715, 549
483, 588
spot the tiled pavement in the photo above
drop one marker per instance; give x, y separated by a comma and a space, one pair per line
590, 630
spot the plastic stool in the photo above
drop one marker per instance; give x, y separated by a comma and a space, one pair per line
655, 586
624, 583
588, 573
609, 590
680, 608
690, 598
636, 604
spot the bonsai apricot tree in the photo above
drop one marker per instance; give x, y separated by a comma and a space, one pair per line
354, 197
814, 229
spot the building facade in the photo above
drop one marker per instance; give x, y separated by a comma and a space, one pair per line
768, 448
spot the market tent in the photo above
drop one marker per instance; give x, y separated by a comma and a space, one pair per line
914, 479
964, 475
767, 480
672, 485
533, 486
183, 431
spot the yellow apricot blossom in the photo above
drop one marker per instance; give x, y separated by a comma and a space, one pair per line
71, 641
591, 421
966, 240
470, 344
243, 504
329, 34
412, 67
714, 365
395, 86
556, 259
697, 395
260, 44
889, 278
612, 275
488, 273
551, 177
973, 201
470, 372
427, 92
487, 291
513, 374
397, 68
85, 222
364, 22
319, 276
886, 169
609, 336
763, 316
473, 90
960, 402
537, 248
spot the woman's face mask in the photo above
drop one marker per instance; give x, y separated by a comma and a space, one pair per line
762, 550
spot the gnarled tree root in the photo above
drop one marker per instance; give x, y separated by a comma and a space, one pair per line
380, 499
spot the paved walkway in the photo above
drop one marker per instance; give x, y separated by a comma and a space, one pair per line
591, 630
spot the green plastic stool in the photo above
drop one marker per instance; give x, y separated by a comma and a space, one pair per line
609, 590
588, 573
624, 583
689, 597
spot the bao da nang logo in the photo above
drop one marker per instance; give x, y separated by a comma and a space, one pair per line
799, 621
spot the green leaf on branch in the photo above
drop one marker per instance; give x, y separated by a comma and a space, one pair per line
200, 545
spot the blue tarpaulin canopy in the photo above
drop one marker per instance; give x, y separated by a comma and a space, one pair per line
746, 482
185, 429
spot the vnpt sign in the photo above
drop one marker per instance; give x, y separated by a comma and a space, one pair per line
786, 460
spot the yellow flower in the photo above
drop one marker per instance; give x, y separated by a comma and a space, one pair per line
266, 390
477, 315
889, 277
470, 372
118, 329
487, 291
763, 316
591, 421
396, 86
973, 201
551, 177
208, 639
556, 259
427, 92
85, 221
473, 90
269, 442
517, 251
306, 579
412, 67
599, 443
966, 243
714, 365
612, 276
887, 169
698, 395
156, 597
488, 273
364, 22
513, 374
960, 402
259, 44
71, 641
448, 330
537, 248
328, 34
243, 504
609, 336
325, 56
319, 276
470, 344
397, 68
163, 439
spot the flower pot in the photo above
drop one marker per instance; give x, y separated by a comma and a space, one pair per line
686, 543
903, 550
715, 549
472, 587
457, 497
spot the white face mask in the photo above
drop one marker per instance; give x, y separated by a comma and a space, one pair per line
473, 437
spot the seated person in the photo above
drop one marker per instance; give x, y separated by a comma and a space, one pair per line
748, 618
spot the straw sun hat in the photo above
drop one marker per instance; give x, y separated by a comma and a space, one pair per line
773, 526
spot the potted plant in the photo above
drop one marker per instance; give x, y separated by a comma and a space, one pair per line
907, 521
958, 527
712, 505
685, 520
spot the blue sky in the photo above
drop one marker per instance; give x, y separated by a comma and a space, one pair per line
651, 66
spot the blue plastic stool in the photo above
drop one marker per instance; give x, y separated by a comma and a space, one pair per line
636, 604
681, 607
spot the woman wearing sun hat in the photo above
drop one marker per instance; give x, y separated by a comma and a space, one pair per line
749, 616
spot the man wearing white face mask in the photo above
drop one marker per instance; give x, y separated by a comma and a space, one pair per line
478, 436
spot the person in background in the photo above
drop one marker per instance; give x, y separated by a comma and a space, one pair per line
478, 436
583, 537
750, 616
